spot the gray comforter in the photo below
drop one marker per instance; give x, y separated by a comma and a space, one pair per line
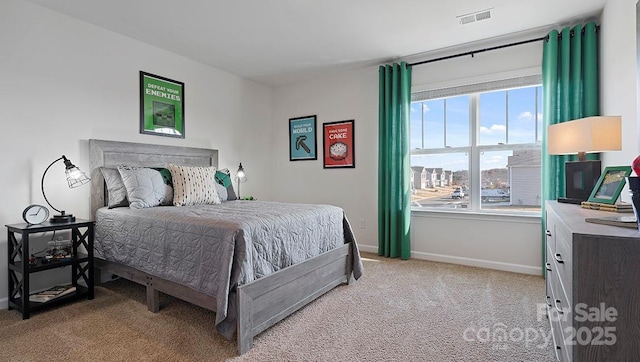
215, 248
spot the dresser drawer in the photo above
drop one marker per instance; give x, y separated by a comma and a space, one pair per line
561, 351
551, 232
561, 308
563, 260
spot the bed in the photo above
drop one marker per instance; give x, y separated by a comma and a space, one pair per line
252, 285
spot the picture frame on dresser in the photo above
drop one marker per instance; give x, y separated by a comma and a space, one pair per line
338, 144
610, 184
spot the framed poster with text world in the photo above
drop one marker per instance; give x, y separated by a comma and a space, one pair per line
302, 139
338, 145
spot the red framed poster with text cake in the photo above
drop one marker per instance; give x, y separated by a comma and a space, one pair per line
337, 144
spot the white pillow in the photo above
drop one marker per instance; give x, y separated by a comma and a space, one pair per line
145, 187
193, 185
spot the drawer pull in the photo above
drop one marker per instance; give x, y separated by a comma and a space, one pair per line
548, 301
558, 258
548, 233
560, 311
549, 267
557, 355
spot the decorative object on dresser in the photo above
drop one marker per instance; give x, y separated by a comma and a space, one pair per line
241, 177
75, 178
592, 273
609, 185
582, 136
622, 221
617, 207
634, 190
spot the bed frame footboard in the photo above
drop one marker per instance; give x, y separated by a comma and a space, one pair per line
266, 301
261, 303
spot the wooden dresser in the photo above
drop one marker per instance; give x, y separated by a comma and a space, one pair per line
593, 286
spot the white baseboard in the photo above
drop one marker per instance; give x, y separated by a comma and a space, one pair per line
368, 248
488, 264
4, 303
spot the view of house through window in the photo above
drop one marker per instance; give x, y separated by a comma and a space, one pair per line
477, 150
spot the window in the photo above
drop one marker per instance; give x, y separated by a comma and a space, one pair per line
477, 147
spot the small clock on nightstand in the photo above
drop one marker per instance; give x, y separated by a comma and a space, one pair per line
35, 214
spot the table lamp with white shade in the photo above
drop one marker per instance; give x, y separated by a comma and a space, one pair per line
582, 136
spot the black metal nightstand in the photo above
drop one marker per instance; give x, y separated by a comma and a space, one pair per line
20, 268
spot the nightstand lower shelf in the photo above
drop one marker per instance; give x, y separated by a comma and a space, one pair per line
80, 293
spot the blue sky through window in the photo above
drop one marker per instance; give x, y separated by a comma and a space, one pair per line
441, 123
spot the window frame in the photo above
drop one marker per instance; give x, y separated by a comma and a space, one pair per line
474, 150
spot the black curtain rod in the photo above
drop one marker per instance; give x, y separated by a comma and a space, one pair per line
473, 52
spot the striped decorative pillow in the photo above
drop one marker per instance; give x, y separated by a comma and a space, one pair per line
193, 185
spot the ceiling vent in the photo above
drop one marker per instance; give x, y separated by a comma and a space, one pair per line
474, 17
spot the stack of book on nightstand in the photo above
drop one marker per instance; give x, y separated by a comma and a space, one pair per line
52, 293
617, 207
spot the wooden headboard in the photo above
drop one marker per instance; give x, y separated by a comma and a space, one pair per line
113, 153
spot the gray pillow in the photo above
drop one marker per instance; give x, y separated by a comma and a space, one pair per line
231, 194
223, 177
222, 192
145, 187
116, 192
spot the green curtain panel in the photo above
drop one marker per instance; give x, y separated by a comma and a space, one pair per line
394, 164
570, 91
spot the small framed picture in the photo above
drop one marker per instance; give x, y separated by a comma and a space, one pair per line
609, 185
302, 139
338, 145
161, 106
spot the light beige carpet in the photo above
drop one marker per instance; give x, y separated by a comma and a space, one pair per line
398, 311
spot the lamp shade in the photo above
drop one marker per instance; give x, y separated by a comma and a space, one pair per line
241, 176
75, 178
585, 135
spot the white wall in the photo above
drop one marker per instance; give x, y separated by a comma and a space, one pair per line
64, 81
618, 78
350, 95
503, 243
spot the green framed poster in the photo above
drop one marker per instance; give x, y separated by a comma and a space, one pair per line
161, 106
302, 138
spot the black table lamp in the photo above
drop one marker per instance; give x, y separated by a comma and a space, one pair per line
582, 136
75, 178
241, 177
